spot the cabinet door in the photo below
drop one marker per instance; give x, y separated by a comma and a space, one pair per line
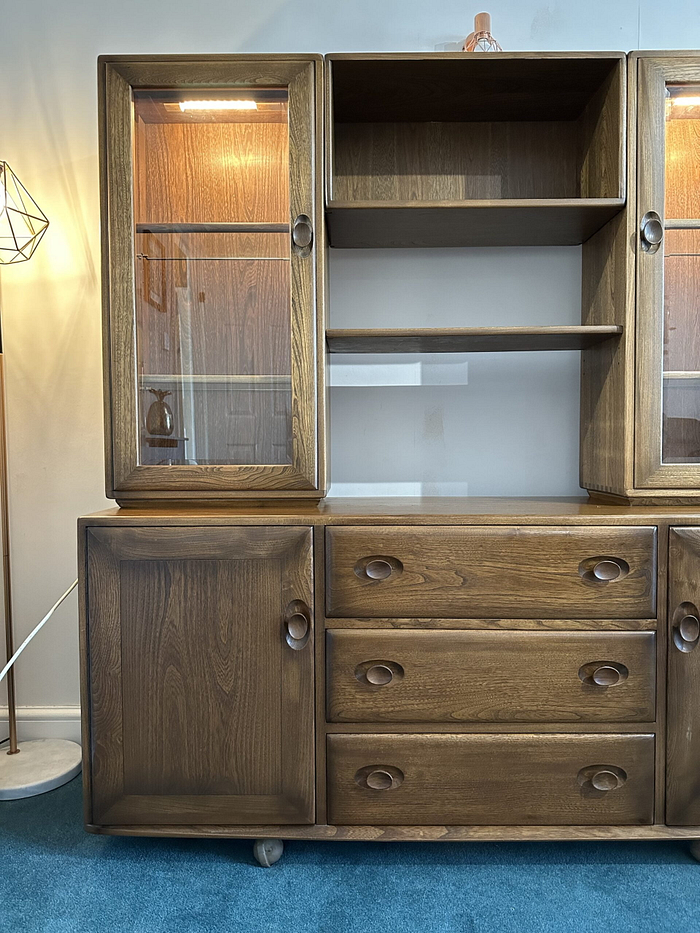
668, 273
683, 741
210, 261
200, 673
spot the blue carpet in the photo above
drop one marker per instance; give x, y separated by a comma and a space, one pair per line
55, 878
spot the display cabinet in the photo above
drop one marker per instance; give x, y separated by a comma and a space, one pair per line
668, 274
213, 265
641, 399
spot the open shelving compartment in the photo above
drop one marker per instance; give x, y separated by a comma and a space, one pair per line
465, 149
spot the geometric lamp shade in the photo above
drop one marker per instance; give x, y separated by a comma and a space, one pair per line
22, 222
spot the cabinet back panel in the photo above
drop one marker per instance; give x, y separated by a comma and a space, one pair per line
455, 161
212, 173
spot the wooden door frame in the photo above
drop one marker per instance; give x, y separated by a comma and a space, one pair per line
109, 803
653, 72
118, 75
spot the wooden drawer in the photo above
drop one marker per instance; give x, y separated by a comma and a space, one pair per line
491, 572
412, 676
515, 780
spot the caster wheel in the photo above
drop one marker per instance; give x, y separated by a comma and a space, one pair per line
695, 850
268, 851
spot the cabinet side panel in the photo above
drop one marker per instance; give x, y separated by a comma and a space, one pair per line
607, 370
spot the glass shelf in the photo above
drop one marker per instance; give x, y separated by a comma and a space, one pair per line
252, 381
213, 228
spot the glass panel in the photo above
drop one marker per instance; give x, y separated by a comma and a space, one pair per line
681, 394
213, 310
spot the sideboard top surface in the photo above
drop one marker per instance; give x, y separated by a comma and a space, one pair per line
398, 510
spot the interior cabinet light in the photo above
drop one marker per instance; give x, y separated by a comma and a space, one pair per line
218, 105
684, 101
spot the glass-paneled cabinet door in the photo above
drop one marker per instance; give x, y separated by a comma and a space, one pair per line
211, 266
668, 272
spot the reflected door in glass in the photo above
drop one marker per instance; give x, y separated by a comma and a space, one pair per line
213, 306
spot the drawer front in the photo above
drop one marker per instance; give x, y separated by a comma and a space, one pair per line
411, 676
491, 572
511, 780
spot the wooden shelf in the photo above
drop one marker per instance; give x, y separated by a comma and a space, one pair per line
513, 222
468, 339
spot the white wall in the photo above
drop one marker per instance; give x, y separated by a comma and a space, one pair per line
512, 430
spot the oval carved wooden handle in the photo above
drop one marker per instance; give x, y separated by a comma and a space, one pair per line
651, 231
297, 623
689, 628
603, 673
607, 570
379, 780
379, 674
378, 569
606, 676
605, 780
302, 231
601, 778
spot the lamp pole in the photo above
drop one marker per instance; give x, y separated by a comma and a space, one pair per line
6, 577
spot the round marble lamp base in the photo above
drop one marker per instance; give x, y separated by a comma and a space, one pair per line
39, 766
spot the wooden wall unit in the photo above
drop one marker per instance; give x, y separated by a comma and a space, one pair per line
280, 668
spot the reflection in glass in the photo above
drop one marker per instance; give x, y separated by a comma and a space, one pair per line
681, 398
213, 316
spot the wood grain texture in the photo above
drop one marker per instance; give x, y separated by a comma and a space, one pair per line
119, 75
491, 779
682, 168
382, 224
486, 571
396, 511
499, 625
683, 734
412, 833
199, 709
320, 678
489, 676
467, 339
211, 172
482, 728
661, 676
607, 371
602, 139
412, 161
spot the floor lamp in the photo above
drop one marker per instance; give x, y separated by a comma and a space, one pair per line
33, 767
